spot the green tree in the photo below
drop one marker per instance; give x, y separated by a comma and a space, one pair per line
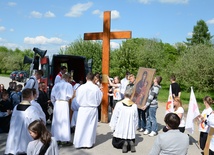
88, 49
126, 58
201, 34
194, 68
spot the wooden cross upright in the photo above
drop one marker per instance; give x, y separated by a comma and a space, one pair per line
106, 35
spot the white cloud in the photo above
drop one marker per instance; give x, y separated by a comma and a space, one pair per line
114, 45
11, 30
78, 9
97, 12
11, 3
144, 1
175, 1
43, 40
49, 14
211, 21
189, 34
36, 14
2, 28
115, 14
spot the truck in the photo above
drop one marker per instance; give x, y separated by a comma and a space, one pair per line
76, 65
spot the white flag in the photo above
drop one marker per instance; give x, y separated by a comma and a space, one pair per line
169, 104
192, 113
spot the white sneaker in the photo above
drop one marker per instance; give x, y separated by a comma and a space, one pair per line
141, 130
146, 132
152, 134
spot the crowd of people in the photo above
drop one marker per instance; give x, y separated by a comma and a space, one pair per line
25, 112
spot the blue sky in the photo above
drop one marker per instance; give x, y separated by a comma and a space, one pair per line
54, 24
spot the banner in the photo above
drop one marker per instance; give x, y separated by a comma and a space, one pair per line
169, 104
192, 113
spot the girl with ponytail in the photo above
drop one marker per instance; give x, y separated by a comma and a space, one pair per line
43, 143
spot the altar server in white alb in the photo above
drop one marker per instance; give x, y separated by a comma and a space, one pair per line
74, 107
23, 114
60, 96
124, 123
34, 103
88, 97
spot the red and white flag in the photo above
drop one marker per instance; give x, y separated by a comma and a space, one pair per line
169, 104
192, 113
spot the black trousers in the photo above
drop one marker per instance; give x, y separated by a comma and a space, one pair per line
118, 142
203, 139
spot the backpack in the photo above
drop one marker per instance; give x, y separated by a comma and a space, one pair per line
34, 82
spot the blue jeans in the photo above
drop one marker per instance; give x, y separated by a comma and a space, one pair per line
142, 118
151, 122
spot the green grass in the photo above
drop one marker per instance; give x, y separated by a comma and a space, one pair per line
185, 96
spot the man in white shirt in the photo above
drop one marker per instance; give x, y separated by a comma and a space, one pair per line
63, 70
33, 81
61, 93
124, 82
88, 97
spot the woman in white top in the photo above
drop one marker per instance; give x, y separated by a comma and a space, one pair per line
203, 127
179, 110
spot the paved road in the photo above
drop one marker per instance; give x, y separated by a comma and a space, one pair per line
103, 141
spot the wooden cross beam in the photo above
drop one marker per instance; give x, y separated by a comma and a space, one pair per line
106, 35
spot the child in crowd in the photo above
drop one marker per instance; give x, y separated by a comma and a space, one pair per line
116, 90
15, 96
5, 103
6, 109
203, 127
43, 142
151, 108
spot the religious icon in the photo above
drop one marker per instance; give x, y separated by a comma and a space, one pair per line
142, 86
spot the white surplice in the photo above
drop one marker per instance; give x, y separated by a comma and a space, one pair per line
40, 111
19, 137
88, 97
124, 121
60, 95
74, 108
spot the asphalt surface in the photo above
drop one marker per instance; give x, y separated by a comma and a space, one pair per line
103, 144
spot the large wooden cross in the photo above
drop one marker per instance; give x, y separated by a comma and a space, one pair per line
106, 35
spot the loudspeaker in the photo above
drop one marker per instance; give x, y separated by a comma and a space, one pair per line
40, 52
27, 60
